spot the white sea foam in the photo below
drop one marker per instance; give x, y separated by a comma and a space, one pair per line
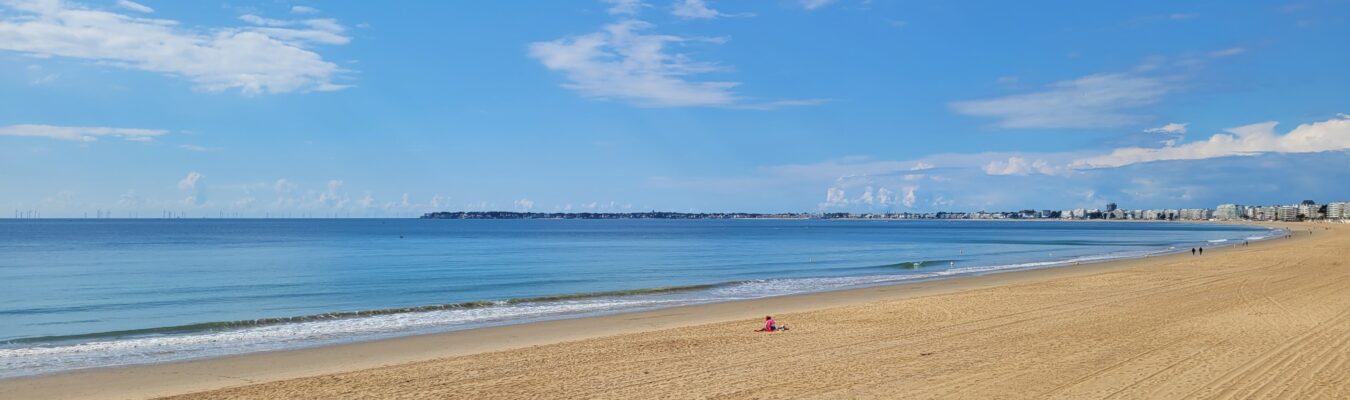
43, 359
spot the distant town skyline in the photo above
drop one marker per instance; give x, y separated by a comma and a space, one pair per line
256, 109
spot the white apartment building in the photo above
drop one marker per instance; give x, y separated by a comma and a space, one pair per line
1287, 213
1338, 210
1310, 211
1228, 212
1194, 214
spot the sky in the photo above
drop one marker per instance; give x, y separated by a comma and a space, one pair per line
388, 109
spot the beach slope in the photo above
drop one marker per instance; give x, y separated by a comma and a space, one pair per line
1262, 322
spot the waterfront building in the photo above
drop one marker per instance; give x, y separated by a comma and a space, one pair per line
1309, 210
1228, 212
1338, 210
1287, 213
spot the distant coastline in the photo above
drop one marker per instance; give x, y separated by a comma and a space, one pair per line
1307, 210
590, 215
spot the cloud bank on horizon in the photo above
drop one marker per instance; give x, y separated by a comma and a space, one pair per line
685, 105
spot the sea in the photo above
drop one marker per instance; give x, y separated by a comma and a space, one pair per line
88, 293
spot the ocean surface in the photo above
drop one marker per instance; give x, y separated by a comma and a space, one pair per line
78, 294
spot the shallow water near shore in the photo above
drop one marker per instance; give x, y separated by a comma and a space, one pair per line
91, 293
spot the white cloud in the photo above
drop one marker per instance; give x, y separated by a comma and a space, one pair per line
1171, 128
190, 181
45, 79
243, 202
193, 184
252, 60
814, 4
80, 133
694, 9
1093, 101
624, 7
1329, 135
198, 148
129, 199
620, 62
304, 10
283, 186
910, 196
834, 198
867, 197
134, 6
316, 30
1227, 52
1019, 166
920, 166
334, 197
885, 197
524, 204
623, 62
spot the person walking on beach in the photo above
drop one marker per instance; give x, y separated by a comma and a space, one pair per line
1192, 251
1202, 251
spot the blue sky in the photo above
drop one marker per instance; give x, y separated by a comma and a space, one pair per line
379, 109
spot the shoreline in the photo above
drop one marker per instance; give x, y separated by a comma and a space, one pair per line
149, 380
699, 293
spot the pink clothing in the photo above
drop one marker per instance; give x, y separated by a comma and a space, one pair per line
768, 326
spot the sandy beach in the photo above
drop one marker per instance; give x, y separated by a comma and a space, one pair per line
1271, 320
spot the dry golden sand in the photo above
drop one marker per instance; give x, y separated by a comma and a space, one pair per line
1266, 321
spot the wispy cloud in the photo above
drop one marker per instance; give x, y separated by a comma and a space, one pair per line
1329, 135
777, 104
134, 6
1094, 101
304, 10
1157, 18
80, 133
314, 30
1229, 52
253, 60
624, 7
814, 4
1171, 128
694, 9
699, 9
197, 148
1020, 166
624, 62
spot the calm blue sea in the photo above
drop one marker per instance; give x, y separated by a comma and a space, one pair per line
88, 293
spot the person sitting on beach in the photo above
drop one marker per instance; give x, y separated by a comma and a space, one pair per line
770, 325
